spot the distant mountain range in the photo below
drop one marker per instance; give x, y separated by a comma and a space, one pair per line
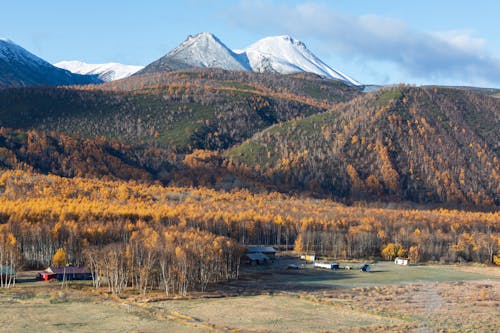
18, 67
280, 54
106, 72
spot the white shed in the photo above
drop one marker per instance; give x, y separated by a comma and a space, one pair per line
401, 261
327, 265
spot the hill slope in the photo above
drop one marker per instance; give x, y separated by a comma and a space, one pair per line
209, 109
67, 156
18, 67
418, 144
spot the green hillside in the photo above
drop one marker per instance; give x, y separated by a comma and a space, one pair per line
176, 111
419, 144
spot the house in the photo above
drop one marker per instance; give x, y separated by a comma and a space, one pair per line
45, 276
64, 273
401, 261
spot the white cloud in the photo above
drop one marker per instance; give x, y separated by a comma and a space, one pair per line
451, 56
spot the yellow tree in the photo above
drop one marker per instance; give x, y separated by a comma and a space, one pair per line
414, 254
299, 246
389, 252
60, 258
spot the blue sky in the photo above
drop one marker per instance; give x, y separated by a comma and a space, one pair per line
385, 41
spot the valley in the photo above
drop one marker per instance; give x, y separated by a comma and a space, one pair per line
340, 305
182, 194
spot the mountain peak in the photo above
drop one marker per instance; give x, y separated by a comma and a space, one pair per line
19, 67
203, 40
203, 50
277, 54
204, 34
287, 55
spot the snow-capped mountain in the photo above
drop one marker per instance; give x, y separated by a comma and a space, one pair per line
203, 50
280, 54
286, 55
18, 67
106, 72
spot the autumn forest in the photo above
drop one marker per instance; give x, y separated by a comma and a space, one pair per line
157, 182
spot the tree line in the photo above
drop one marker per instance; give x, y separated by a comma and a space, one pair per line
45, 213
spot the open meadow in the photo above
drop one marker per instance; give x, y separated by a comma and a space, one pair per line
274, 299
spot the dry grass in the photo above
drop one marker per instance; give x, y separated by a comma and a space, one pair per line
273, 299
280, 313
49, 309
470, 306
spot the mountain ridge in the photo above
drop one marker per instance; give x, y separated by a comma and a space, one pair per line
19, 67
275, 54
106, 72
287, 55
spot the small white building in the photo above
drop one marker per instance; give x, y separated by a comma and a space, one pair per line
401, 261
327, 265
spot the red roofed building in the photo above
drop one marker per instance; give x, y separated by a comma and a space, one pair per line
64, 273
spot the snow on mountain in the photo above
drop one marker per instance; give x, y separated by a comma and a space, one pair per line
202, 50
286, 55
206, 50
18, 67
106, 72
280, 54
11, 52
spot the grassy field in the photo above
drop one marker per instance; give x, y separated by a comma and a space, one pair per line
56, 311
272, 298
280, 313
386, 273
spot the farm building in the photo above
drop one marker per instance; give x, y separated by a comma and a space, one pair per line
266, 250
326, 265
64, 273
401, 261
259, 255
255, 258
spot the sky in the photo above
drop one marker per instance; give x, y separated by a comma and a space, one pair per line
450, 42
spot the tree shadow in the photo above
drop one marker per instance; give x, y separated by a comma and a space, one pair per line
277, 278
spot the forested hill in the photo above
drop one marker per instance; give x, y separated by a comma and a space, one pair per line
209, 109
64, 155
295, 133
403, 143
